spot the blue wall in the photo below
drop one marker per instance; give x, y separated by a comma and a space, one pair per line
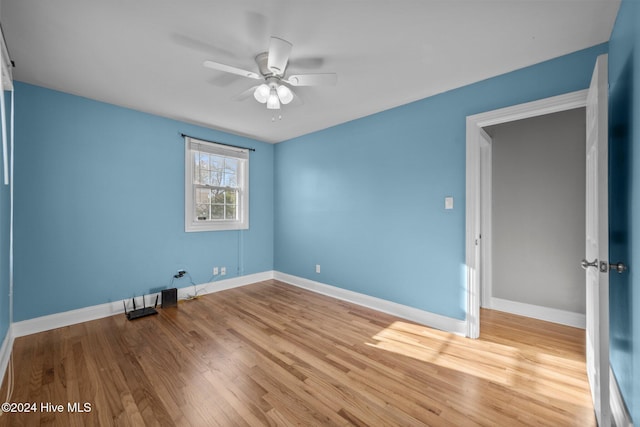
365, 199
624, 196
99, 205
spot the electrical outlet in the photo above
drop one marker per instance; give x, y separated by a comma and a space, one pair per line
215, 271
223, 271
317, 268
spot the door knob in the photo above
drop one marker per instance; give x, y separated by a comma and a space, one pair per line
586, 264
618, 266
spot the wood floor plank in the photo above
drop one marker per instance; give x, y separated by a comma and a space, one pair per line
275, 355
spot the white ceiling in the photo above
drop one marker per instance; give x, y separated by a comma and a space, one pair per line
148, 54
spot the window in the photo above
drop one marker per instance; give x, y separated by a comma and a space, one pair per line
216, 186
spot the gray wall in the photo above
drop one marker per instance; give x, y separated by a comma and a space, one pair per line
538, 185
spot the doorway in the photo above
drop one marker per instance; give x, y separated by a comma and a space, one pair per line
476, 139
533, 217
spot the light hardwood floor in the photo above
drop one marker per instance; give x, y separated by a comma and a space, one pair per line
273, 354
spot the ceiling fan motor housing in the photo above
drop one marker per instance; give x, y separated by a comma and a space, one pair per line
261, 60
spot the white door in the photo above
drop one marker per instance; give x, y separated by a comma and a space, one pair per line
596, 262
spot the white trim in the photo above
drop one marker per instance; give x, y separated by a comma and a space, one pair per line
6, 83
542, 107
563, 317
472, 221
242, 156
486, 224
5, 352
58, 320
619, 411
472, 209
223, 285
426, 318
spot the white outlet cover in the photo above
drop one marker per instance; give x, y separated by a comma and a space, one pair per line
317, 268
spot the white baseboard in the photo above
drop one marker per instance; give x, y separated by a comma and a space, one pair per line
619, 410
58, 320
426, 318
554, 315
5, 352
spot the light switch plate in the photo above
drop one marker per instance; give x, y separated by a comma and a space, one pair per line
448, 202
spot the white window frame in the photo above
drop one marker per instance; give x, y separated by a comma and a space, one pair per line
191, 224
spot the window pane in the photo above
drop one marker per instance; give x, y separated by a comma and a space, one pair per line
217, 197
216, 163
196, 167
230, 197
217, 212
230, 173
231, 212
202, 196
202, 212
230, 165
203, 177
203, 161
215, 178
215, 170
230, 180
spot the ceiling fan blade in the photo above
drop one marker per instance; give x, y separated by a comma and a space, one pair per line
194, 43
245, 94
297, 100
229, 69
306, 63
256, 26
322, 79
279, 51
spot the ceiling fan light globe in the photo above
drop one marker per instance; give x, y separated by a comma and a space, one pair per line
262, 93
273, 102
285, 94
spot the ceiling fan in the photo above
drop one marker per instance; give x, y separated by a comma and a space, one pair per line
272, 66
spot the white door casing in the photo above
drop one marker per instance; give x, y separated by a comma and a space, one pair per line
485, 261
597, 243
476, 262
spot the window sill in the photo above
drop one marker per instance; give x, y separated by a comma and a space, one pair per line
219, 226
